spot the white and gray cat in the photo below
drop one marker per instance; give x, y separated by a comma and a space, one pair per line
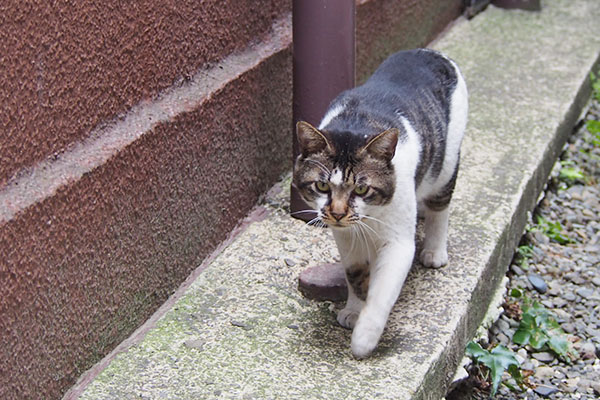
382, 151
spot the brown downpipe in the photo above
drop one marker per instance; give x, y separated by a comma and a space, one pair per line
323, 64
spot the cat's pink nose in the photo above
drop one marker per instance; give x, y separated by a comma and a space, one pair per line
337, 216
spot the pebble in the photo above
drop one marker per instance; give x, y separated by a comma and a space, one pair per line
544, 372
194, 344
570, 385
289, 262
585, 292
569, 296
544, 357
545, 391
588, 351
568, 328
242, 325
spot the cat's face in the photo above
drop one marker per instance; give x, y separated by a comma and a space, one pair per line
342, 177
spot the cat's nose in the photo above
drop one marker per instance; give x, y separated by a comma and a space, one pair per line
337, 216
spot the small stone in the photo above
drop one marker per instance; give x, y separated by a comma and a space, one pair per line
502, 338
516, 269
293, 326
570, 385
547, 303
289, 262
569, 296
588, 351
511, 322
503, 325
544, 372
584, 292
568, 327
242, 325
544, 357
559, 302
528, 365
559, 375
194, 344
538, 283
584, 384
596, 281
545, 390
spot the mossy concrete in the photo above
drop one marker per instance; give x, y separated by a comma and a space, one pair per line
241, 329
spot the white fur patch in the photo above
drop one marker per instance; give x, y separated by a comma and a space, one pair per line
331, 114
336, 177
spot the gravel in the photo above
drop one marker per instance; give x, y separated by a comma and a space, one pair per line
564, 278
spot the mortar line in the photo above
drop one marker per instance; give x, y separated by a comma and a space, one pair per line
34, 184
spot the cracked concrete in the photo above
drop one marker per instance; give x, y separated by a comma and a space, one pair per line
241, 328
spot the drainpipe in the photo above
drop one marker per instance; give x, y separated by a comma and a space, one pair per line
324, 58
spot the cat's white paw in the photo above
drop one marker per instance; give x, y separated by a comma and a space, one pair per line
364, 339
347, 317
434, 258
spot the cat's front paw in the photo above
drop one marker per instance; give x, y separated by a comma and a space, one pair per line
347, 317
364, 340
434, 258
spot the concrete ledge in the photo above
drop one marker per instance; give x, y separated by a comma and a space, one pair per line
241, 329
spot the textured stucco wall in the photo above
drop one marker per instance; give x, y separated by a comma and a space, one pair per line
66, 67
386, 26
84, 266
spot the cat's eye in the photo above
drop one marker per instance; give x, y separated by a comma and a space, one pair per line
361, 189
322, 186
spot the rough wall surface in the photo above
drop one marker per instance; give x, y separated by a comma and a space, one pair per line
67, 67
86, 262
385, 26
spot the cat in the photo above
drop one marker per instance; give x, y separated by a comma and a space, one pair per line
382, 152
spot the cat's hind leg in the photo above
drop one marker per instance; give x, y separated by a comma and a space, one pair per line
435, 253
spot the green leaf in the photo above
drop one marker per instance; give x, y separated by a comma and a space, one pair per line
516, 293
571, 174
538, 338
515, 372
593, 126
559, 344
521, 336
497, 361
475, 351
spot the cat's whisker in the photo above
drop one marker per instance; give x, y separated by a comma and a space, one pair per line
304, 212
377, 220
365, 240
320, 165
315, 220
369, 228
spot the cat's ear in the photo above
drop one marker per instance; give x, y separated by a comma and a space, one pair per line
383, 145
310, 139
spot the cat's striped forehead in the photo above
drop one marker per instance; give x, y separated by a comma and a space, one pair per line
343, 174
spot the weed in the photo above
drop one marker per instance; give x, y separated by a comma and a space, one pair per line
553, 230
595, 86
524, 254
497, 361
539, 329
570, 173
593, 127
